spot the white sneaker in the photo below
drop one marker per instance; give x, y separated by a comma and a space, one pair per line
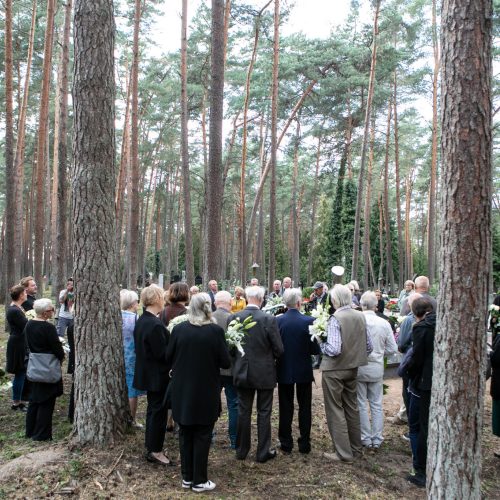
208, 486
187, 484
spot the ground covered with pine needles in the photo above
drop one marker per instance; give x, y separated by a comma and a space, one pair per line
59, 470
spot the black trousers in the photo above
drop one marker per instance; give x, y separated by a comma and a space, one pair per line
286, 405
194, 444
264, 408
406, 396
156, 420
425, 404
39, 420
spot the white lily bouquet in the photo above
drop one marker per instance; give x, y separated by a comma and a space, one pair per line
176, 321
30, 314
275, 301
236, 331
317, 330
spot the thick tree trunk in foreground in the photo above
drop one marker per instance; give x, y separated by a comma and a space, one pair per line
101, 401
215, 189
455, 423
186, 184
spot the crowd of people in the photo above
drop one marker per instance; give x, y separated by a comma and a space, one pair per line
177, 356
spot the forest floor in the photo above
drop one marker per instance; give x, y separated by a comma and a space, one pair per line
57, 470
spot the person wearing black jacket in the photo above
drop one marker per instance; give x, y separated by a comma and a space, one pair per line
495, 388
151, 371
41, 337
196, 351
16, 345
420, 371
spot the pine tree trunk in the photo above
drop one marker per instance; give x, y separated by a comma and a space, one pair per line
401, 277
60, 246
408, 192
431, 225
381, 241
102, 410
41, 164
215, 188
186, 190
313, 215
19, 157
387, 215
295, 210
359, 198
9, 256
456, 414
133, 207
274, 147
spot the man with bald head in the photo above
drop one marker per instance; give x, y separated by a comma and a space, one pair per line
421, 287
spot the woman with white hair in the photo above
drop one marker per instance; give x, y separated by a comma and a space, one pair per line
196, 352
42, 338
370, 376
129, 302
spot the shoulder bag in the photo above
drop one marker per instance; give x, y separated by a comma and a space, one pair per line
43, 367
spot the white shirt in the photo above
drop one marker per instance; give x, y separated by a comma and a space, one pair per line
63, 313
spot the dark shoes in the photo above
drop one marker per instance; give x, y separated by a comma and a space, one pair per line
417, 479
19, 407
270, 455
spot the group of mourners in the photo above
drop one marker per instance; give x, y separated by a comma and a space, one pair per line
182, 366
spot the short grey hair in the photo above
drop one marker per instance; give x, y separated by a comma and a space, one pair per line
422, 283
127, 299
200, 309
368, 301
254, 292
355, 284
412, 297
222, 297
291, 297
341, 296
42, 306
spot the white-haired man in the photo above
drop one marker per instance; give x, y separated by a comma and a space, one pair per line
221, 317
346, 348
422, 287
255, 372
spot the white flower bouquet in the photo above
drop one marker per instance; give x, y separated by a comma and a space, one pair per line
317, 330
275, 301
176, 321
236, 331
30, 314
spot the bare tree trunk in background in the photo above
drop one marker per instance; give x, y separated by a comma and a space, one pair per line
348, 138
102, 410
133, 198
359, 197
456, 413
9, 256
431, 224
215, 190
274, 147
408, 192
19, 157
388, 246
367, 267
295, 210
401, 277
186, 189
313, 215
381, 241
41, 165
60, 247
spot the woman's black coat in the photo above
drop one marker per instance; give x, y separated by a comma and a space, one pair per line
495, 369
196, 354
16, 345
151, 340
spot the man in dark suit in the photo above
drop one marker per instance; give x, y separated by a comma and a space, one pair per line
295, 371
255, 372
212, 290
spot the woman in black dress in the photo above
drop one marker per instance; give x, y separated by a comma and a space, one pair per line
151, 371
178, 297
196, 351
16, 345
41, 337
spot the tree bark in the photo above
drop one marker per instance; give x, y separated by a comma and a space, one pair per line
313, 215
215, 190
9, 256
408, 192
41, 164
359, 197
295, 210
387, 215
133, 207
186, 189
274, 147
102, 410
431, 225
456, 414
